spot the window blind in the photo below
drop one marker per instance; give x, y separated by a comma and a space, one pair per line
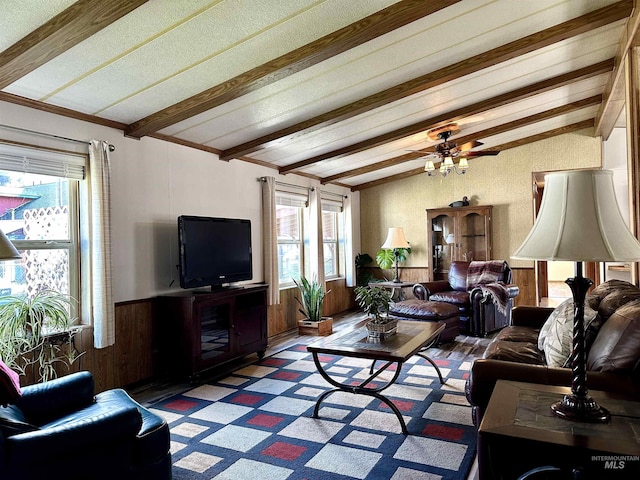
19, 158
331, 205
292, 199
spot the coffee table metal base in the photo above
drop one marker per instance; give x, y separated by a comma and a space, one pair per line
361, 389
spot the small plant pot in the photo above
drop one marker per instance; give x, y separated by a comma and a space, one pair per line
323, 327
380, 331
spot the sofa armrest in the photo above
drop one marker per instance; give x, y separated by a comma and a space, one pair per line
44, 401
530, 316
423, 291
117, 426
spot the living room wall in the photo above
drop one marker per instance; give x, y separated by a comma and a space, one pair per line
503, 181
153, 182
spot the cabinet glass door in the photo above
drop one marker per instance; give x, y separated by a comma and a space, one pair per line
443, 244
215, 320
473, 237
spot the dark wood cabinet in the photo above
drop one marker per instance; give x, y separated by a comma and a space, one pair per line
457, 234
203, 329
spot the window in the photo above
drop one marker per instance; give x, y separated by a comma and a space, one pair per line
330, 244
290, 251
39, 214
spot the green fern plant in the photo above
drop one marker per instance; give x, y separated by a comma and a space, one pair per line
37, 331
385, 257
311, 298
374, 301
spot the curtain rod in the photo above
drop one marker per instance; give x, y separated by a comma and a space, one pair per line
51, 135
264, 179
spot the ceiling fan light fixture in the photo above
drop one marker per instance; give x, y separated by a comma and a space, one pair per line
448, 161
463, 165
429, 167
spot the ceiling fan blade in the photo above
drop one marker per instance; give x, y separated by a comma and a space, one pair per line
485, 153
469, 145
426, 151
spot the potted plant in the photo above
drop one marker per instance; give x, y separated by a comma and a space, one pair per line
311, 303
37, 332
375, 302
386, 258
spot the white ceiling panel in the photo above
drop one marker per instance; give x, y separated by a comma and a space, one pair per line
154, 69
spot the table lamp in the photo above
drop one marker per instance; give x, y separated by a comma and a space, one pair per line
579, 220
395, 239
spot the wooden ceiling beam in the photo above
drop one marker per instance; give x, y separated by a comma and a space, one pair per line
614, 92
362, 31
549, 36
498, 129
70, 27
470, 110
505, 146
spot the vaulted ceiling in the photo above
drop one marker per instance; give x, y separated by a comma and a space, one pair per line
340, 90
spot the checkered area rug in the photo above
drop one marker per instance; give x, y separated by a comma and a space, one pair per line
257, 423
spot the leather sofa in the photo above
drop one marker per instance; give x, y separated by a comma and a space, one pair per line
478, 313
613, 358
60, 429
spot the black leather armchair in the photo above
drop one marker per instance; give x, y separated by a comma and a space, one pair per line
60, 429
479, 314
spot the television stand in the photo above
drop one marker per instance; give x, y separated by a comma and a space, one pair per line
204, 329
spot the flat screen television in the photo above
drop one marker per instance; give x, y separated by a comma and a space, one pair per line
213, 251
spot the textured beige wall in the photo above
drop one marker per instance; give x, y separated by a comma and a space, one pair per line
503, 181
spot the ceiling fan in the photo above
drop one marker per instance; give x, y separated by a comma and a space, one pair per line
446, 151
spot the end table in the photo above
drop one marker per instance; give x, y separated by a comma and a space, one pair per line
519, 433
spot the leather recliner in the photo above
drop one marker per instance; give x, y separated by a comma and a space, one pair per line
478, 312
61, 429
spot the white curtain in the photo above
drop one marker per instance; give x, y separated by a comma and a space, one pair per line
350, 242
269, 240
96, 247
316, 245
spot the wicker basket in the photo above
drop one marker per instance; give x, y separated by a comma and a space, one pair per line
382, 330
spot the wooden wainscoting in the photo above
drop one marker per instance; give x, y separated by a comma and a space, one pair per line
133, 357
525, 278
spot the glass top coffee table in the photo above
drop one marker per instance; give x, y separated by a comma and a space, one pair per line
412, 338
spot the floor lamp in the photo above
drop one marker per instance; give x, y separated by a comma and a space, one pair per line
395, 240
579, 220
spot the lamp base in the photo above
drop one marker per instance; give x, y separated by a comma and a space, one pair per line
580, 409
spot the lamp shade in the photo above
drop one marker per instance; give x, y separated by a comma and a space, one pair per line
579, 220
7, 250
395, 239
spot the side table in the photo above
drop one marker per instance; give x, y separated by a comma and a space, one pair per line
392, 286
519, 433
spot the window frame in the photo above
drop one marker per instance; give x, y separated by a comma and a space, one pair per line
335, 242
300, 242
59, 165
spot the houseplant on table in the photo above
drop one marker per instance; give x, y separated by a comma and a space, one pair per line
37, 333
311, 302
375, 302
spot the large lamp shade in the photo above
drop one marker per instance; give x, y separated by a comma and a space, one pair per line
395, 239
579, 220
